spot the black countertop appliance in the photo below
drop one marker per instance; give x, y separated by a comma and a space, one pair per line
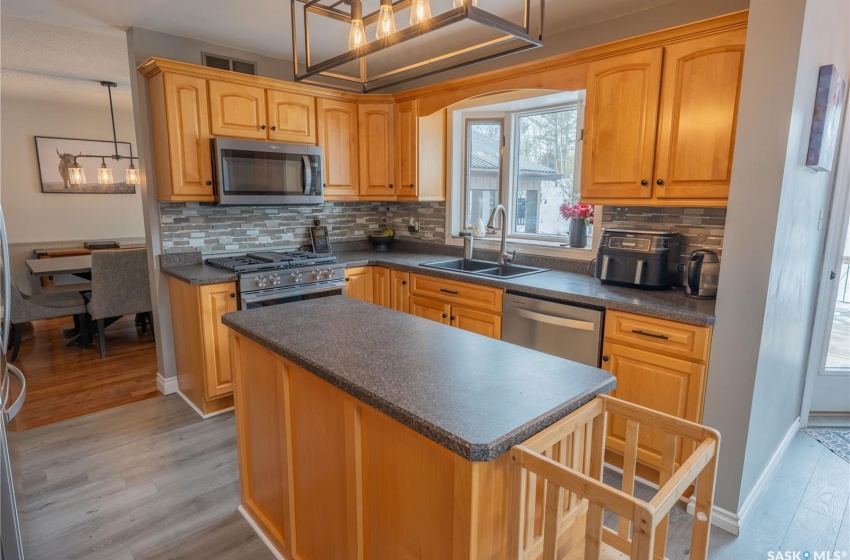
638, 259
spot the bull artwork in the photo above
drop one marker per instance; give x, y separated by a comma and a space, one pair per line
65, 162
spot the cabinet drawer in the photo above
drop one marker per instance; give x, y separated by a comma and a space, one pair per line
468, 295
669, 337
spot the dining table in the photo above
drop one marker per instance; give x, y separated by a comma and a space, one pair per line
78, 265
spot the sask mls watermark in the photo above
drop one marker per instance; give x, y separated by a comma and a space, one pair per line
807, 555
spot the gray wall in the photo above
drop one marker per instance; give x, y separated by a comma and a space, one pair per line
773, 249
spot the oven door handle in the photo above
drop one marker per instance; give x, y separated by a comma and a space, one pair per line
292, 292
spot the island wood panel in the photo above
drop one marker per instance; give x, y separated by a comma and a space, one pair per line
192, 346
181, 137
265, 479
325, 476
237, 110
698, 116
359, 283
292, 117
479, 322
338, 136
376, 123
400, 290
382, 288
468, 295
619, 145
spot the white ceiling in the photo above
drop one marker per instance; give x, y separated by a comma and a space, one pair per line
71, 45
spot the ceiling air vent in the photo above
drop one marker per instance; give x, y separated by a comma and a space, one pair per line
232, 64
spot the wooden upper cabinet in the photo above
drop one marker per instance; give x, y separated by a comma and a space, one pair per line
179, 111
698, 116
237, 110
407, 143
292, 117
338, 135
620, 122
376, 122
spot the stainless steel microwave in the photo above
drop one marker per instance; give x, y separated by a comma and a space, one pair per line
257, 172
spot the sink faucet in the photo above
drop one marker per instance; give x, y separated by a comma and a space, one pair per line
504, 256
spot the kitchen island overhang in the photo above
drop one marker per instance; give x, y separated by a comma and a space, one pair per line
368, 433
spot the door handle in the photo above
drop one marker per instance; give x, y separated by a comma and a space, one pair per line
13, 408
832, 275
552, 320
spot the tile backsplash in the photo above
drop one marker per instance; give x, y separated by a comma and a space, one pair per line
700, 228
214, 229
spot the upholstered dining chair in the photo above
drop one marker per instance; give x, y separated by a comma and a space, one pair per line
119, 286
44, 306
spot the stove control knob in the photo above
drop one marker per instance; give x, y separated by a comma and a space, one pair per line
326, 274
260, 282
274, 279
317, 275
296, 276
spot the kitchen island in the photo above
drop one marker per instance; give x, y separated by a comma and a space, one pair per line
368, 433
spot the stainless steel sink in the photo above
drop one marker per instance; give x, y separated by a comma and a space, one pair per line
485, 268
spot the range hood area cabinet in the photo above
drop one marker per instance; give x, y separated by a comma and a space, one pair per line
660, 123
370, 141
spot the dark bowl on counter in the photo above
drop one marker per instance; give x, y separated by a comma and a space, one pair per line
381, 242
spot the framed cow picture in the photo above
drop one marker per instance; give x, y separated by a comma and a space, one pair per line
56, 155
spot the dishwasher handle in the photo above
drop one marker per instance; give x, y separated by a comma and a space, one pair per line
552, 320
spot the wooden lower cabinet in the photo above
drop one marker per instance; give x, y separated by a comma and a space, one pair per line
323, 475
359, 283
201, 343
381, 286
430, 309
658, 364
400, 291
479, 322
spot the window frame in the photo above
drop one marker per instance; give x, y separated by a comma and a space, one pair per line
554, 246
501, 119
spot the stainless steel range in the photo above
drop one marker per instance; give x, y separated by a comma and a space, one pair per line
272, 278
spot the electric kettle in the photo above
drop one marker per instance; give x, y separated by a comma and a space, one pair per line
702, 274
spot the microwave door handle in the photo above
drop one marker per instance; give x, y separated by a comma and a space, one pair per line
306, 176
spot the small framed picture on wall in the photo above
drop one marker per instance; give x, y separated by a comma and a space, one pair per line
320, 239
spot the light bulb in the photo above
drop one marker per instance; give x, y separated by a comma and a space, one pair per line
104, 175
76, 175
460, 3
420, 10
357, 34
131, 175
386, 20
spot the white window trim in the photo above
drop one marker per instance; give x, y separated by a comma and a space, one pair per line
456, 174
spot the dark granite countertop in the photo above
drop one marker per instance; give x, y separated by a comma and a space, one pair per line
570, 287
476, 397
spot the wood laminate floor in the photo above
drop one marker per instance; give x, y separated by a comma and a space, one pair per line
153, 481
68, 382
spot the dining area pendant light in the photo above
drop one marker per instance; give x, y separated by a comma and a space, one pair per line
426, 43
357, 33
76, 173
386, 20
420, 10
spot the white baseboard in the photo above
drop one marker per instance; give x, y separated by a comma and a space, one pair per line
166, 385
829, 420
260, 534
198, 410
733, 522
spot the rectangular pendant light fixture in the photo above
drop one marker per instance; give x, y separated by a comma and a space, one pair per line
365, 67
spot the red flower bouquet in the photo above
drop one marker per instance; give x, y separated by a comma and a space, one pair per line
580, 211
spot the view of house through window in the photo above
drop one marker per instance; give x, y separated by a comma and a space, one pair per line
526, 160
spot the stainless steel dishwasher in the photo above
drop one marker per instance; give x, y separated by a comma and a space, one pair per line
559, 329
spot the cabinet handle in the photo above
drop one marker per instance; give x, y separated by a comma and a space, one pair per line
653, 335
262, 127
660, 182
391, 185
644, 182
233, 294
404, 282
412, 186
444, 315
274, 127
209, 183
453, 317
454, 293
348, 279
604, 358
